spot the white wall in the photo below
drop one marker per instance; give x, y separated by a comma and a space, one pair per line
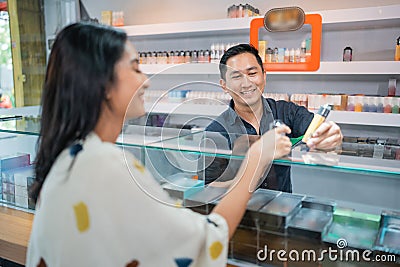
159, 11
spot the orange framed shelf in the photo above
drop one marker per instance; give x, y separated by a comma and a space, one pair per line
315, 21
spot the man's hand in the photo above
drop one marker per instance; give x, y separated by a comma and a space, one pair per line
327, 136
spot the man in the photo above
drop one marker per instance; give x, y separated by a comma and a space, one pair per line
243, 78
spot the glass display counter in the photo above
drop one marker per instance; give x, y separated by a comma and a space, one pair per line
218, 145
183, 161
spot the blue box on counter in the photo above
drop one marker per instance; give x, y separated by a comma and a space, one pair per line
181, 186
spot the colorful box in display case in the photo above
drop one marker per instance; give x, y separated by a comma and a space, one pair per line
354, 229
16, 178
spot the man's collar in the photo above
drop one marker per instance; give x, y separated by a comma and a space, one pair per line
233, 116
266, 107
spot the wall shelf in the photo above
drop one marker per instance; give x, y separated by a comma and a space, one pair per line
326, 68
185, 68
365, 118
375, 17
181, 108
189, 27
342, 117
361, 18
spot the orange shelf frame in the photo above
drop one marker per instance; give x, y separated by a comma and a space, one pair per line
315, 20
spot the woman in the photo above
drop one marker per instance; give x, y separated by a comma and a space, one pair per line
90, 210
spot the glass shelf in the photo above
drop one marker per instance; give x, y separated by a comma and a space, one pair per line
209, 144
19, 125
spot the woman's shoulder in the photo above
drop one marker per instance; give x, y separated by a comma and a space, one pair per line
100, 152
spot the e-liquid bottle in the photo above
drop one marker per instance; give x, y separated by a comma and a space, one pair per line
350, 104
395, 105
275, 55
303, 51
269, 55
287, 55
347, 54
291, 55
392, 87
397, 53
372, 104
387, 107
358, 105
318, 119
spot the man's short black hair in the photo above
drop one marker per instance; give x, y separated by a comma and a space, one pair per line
237, 50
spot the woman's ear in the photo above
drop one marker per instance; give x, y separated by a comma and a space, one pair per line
108, 93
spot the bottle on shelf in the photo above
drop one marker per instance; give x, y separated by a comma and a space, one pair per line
372, 104
397, 53
195, 58
347, 54
153, 57
275, 55
395, 105
297, 55
187, 57
201, 58
358, 104
303, 51
269, 55
286, 55
304, 100
308, 49
212, 53
231, 11
159, 57
350, 103
240, 11
222, 49
262, 47
181, 57
142, 58
336, 102
387, 107
207, 58
365, 104
379, 105
392, 87
216, 55
291, 55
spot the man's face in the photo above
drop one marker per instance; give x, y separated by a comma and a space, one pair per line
245, 80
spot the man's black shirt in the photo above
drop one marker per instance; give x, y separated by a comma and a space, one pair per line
296, 117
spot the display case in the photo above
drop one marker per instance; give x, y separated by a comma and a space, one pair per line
179, 160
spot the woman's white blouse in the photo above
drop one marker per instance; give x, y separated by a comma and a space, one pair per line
105, 209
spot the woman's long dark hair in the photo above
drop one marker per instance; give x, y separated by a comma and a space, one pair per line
80, 69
